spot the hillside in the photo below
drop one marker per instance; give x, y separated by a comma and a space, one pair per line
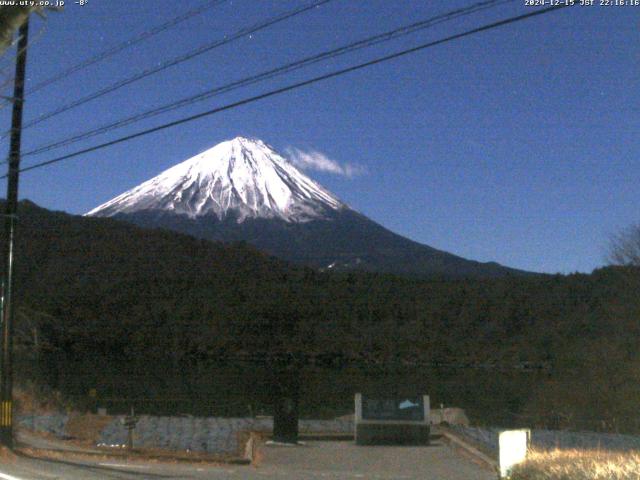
348, 242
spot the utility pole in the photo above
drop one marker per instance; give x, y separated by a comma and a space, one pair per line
6, 345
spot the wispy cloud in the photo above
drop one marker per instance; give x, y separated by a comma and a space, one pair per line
314, 160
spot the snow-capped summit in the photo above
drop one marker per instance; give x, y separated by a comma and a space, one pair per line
243, 177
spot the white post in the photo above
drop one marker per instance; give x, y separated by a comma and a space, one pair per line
427, 409
357, 417
513, 448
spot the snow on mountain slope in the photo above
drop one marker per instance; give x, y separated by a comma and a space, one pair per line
242, 177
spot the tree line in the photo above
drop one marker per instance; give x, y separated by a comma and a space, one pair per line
153, 314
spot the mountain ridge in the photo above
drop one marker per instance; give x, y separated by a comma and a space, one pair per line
243, 190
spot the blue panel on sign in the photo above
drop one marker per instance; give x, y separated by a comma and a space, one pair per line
403, 408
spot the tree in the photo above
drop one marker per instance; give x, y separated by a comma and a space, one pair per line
624, 248
12, 18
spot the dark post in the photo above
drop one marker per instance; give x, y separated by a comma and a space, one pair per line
130, 422
6, 366
286, 391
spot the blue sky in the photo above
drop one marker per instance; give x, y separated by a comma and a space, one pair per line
519, 145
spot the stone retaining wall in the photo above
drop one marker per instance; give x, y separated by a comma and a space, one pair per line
54, 423
196, 434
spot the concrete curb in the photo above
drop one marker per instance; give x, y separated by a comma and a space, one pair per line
455, 439
31, 452
318, 437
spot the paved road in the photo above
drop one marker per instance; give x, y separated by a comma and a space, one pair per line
345, 460
313, 461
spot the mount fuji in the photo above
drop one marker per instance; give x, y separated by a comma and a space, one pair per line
243, 190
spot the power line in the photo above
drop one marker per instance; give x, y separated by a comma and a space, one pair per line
294, 86
126, 44
177, 60
387, 36
370, 41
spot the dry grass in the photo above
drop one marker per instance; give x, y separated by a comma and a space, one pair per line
6, 455
579, 465
31, 399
